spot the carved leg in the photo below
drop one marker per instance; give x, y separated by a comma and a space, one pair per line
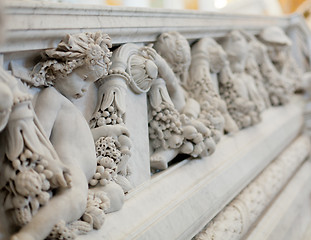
114, 193
230, 124
210, 145
160, 158
68, 204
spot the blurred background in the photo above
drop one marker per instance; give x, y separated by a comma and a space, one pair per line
262, 7
275, 7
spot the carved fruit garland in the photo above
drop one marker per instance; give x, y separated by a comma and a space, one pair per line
28, 164
241, 110
111, 159
164, 119
202, 90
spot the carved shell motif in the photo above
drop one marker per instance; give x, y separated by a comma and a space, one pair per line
143, 71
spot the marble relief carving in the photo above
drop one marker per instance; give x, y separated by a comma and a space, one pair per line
236, 47
278, 48
254, 58
208, 58
233, 91
50, 154
113, 145
273, 81
183, 130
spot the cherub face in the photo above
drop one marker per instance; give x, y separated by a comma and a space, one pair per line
74, 85
277, 52
217, 57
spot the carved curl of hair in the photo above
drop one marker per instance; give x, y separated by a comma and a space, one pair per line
175, 49
72, 52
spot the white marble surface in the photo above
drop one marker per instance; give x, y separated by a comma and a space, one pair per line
177, 203
137, 124
237, 218
289, 215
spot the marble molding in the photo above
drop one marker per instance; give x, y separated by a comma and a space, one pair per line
235, 220
289, 215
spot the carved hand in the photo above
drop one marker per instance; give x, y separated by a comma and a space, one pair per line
162, 65
60, 174
109, 130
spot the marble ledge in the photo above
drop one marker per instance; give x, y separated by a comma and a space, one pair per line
33, 26
179, 202
289, 216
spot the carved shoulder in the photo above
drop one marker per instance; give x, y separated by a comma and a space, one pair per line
48, 104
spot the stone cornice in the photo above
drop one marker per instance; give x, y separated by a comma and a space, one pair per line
40, 26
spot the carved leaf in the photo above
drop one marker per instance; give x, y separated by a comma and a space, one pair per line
158, 94
112, 93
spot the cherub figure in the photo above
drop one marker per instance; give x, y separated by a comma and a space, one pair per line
174, 126
30, 167
169, 134
278, 47
208, 58
68, 70
269, 82
254, 59
173, 61
237, 48
248, 101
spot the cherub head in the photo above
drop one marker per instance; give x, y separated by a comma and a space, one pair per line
74, 64
256, 48
175, 49
236, 47
217, 57
278, 44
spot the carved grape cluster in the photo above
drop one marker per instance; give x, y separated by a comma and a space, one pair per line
109, 156
243, 111
30, 185
110, 116
61, 231
278, 93
164, 123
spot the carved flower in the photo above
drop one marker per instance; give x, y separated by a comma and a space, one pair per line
94, 53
